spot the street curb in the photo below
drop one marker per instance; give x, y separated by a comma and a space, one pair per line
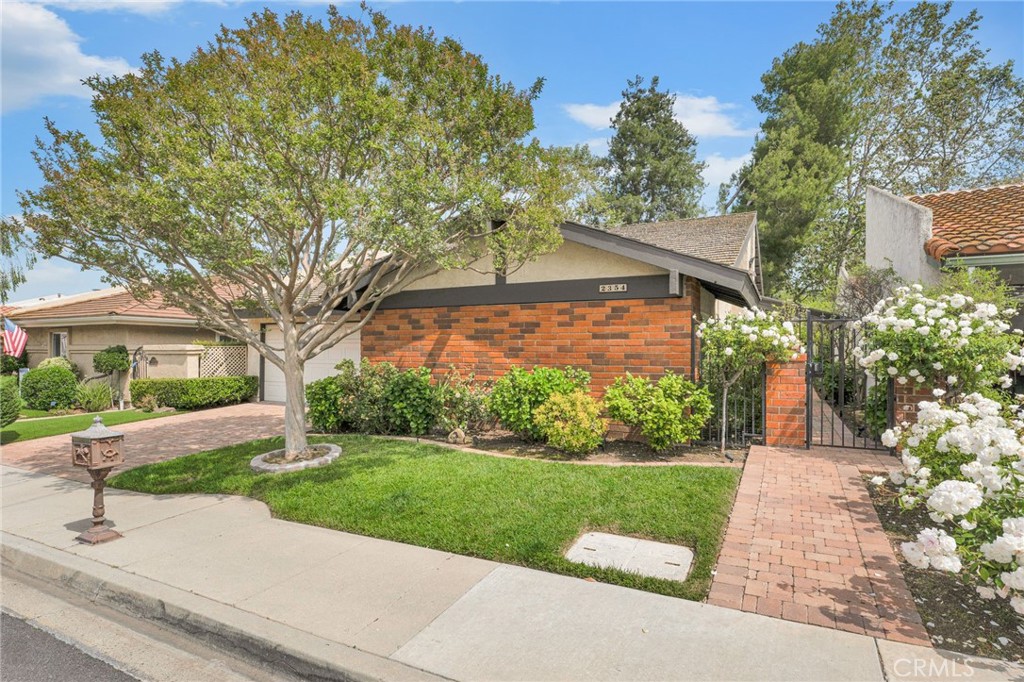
216, 624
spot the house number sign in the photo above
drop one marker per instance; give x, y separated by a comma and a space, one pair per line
610, 288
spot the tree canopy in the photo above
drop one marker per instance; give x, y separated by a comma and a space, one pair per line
299, 171
906, 101
651, 169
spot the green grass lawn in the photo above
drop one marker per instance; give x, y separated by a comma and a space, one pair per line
516, 511
20, 430
26, 413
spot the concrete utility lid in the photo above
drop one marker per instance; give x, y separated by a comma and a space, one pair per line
646, 557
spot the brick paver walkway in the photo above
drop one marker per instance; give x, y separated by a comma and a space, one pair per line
804, 543
156, 439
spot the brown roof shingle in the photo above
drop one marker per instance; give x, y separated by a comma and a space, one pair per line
718, 239
117, 302
975, 222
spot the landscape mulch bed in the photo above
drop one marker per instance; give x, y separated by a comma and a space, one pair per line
956, 618
612, 452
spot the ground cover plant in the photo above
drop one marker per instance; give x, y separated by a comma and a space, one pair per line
54, 426
511, 510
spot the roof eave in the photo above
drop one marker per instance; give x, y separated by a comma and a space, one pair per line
720, 276
105, 319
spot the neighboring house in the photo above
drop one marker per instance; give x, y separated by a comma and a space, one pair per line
608, 301
79, 326
917, 235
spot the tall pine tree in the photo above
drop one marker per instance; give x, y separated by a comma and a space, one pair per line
652, 170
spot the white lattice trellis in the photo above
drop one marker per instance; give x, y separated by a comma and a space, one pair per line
223, 361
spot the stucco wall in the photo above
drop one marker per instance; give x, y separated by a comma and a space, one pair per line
896, 231
571, 261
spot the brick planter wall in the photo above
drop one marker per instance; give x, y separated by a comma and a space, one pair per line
907, 397
606, 338
785, 419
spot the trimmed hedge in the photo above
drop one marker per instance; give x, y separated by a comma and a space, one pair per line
111, 359
10, 401
195, 394
53, 387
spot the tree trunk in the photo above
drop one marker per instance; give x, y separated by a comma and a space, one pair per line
295, 399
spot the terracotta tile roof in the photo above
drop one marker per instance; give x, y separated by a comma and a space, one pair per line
715, 238
109, 303
975, 222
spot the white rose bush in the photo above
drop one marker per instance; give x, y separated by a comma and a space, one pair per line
963, 460
964, 464
738, 344
949, 342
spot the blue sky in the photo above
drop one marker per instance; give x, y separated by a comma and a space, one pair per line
711, 54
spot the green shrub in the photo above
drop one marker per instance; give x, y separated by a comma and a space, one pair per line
196, 394
669, 412
50, 387
462, 402
95, 396
10, 401
379, 398
60, 361
518, 393
571, 423
10, 364
112, 359
412, 402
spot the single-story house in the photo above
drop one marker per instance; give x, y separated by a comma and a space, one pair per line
609, 301
918, 235
79, 326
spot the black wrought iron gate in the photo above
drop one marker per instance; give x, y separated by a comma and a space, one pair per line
845, 408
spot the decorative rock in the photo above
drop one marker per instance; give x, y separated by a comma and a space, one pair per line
260, 466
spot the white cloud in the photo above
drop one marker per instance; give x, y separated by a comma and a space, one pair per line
707, 117
42, 57
147, 7
598, 145
704, 117
719, 169
595, 116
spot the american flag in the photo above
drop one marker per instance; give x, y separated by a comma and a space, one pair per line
15, 339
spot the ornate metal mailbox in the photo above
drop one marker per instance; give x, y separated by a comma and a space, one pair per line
97, 449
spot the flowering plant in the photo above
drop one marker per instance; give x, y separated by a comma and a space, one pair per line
740, 343
965, 464
948, 342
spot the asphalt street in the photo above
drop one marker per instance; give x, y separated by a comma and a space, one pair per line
28, 654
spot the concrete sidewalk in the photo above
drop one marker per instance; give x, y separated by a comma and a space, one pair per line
336, 604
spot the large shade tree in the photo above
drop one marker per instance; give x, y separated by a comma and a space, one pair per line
298, 170
905, 99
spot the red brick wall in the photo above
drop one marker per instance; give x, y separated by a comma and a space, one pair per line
906, 399
607, 338
785, 419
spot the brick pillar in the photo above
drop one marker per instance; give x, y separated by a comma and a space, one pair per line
906, 399
785, 419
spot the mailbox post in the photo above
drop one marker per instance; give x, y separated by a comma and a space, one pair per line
97, 449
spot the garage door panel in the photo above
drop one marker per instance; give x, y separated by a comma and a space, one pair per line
316, 368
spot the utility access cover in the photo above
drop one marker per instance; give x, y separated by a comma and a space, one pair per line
646, 557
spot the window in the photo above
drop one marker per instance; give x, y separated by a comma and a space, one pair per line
59, 345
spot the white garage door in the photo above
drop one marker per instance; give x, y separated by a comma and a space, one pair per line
316, 368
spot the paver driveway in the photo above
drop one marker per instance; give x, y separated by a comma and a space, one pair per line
156, 439
804, 543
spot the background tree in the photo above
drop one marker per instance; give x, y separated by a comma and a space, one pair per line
651, 168
904, 101
292, 168
14, 260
